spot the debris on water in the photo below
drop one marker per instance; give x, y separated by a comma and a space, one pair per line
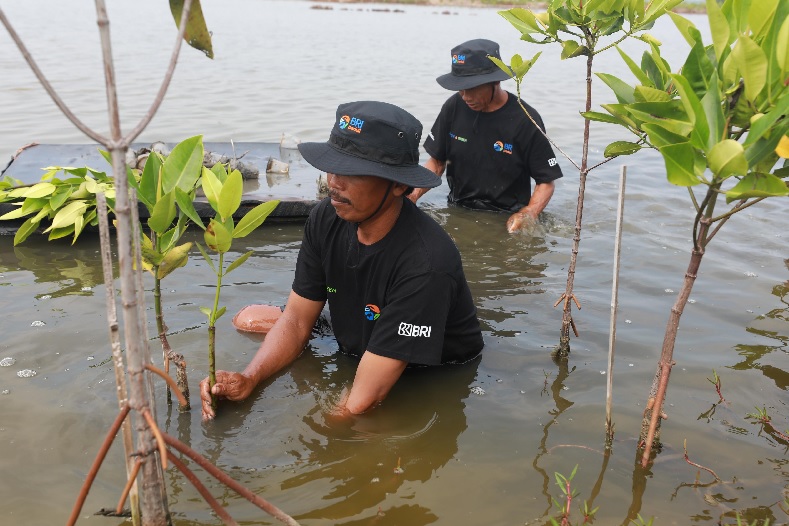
691, 301
26, 373
6, 391
750, 274
398, 470
37, 323
7, 362
86, 289
46, 297
565, 388
602, 372
749, 311
630, 365
523, 392
90, 358
668, 290
499, 380
477, 390
374, 480
628, 321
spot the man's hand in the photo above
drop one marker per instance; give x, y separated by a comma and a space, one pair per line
523, 220
230, 385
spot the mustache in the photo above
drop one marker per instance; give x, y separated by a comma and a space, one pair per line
335, 196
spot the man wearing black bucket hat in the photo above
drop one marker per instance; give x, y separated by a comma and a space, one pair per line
490, 149
392, 277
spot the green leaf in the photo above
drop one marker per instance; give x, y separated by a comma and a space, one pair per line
760, 19
221, 173
700, 134
659, 136
698, 69
782, 48
670, 115
39, 190
163, 213
150, 180
220, 313
230, 195
254, 218
617, 148
237, 263
635, 70
211, 188
217, 237
206, 257
752, 64
24, 231
175, 258
680, 164
67, 215
622, 90
602, 117
757, 185
713, 109
196, 34
647, 94
521, 19
571, 49
766, 121
686, 28
206, 311
719, 28
764, 148
186, 205
59, 197
59, 233
727, 158
183, 166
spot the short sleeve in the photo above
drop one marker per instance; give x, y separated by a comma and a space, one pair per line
543, 166
412, 324
436, 141
310, 279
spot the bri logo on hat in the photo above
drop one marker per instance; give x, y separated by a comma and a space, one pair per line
351, 124
458, 59
372, 312
503, 147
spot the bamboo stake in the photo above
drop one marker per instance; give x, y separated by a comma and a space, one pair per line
117, 356
609, 427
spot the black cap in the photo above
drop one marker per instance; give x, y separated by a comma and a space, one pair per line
471, 66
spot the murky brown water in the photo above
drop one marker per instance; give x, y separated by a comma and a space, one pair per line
478, 444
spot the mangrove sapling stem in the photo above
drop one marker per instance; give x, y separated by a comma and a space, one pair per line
200, 487
708, 470
609, 427
117, 356
168, 355
131, 481
656, 415
212, 330
222, 477
94, 469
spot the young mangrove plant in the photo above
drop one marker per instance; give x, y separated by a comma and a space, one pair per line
584, 28
564, 507
223, 191
719, 125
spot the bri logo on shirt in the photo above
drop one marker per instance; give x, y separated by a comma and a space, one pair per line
351, 124
502, 147
457, 137
372, 312
415, 331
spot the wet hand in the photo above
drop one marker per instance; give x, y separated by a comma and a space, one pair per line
523, 220
230, 385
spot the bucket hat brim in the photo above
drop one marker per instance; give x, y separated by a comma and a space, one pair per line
453, 82
329, 159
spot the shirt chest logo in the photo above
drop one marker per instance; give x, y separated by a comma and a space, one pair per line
372, 312
502, 147
456, 137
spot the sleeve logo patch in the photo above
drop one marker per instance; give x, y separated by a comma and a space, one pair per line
414, 331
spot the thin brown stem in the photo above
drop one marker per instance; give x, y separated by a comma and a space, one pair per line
158, 435
94, 469
229, 482
200, 487
656, 411
130, 481
708, 470
169, 381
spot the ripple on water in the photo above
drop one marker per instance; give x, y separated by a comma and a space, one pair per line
7, 362
26, 373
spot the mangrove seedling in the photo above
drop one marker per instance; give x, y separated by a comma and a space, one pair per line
564, 506
583, 29
223, 191
719, 125
716, 381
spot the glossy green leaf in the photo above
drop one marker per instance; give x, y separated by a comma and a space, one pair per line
59, 233
211, 188
680, 164
752, 64
220, 171
766, 121
713, 109
757, 185
698, 69
206, 311
238, 262
163, 213
622, 90
150, 180
254, 218
175, 258
79, 224
759, 20
59, 197
727, 158
39, 190
686, 28
571, 49
782, 48
196, 34
647, 94
67, 215
24, 231
217, 237
659, 136
670, 115
719, 28
635, 69
765, 147
219, 313
206, 257
183, 166
617, 148
521, 19
602, 117
18, 213
186, 205
230, 195
699, 136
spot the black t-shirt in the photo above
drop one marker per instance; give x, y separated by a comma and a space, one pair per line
491, 156
404, 297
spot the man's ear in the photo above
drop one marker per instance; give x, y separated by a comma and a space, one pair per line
400, 189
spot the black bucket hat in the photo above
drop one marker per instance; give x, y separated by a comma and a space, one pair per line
471, 66
372, 138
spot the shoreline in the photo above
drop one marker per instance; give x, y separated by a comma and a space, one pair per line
498, 4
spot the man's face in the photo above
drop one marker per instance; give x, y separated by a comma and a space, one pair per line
355, 197
477, 98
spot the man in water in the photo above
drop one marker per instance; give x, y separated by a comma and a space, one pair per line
490, 149
393, 278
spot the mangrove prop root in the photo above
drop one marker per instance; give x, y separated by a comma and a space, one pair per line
169, 381
94, 469
708, 470
656, 411
157, 433
180, 379
229, 482
128, 487
572, 324
218, 509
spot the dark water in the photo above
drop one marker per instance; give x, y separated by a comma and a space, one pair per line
477, 444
